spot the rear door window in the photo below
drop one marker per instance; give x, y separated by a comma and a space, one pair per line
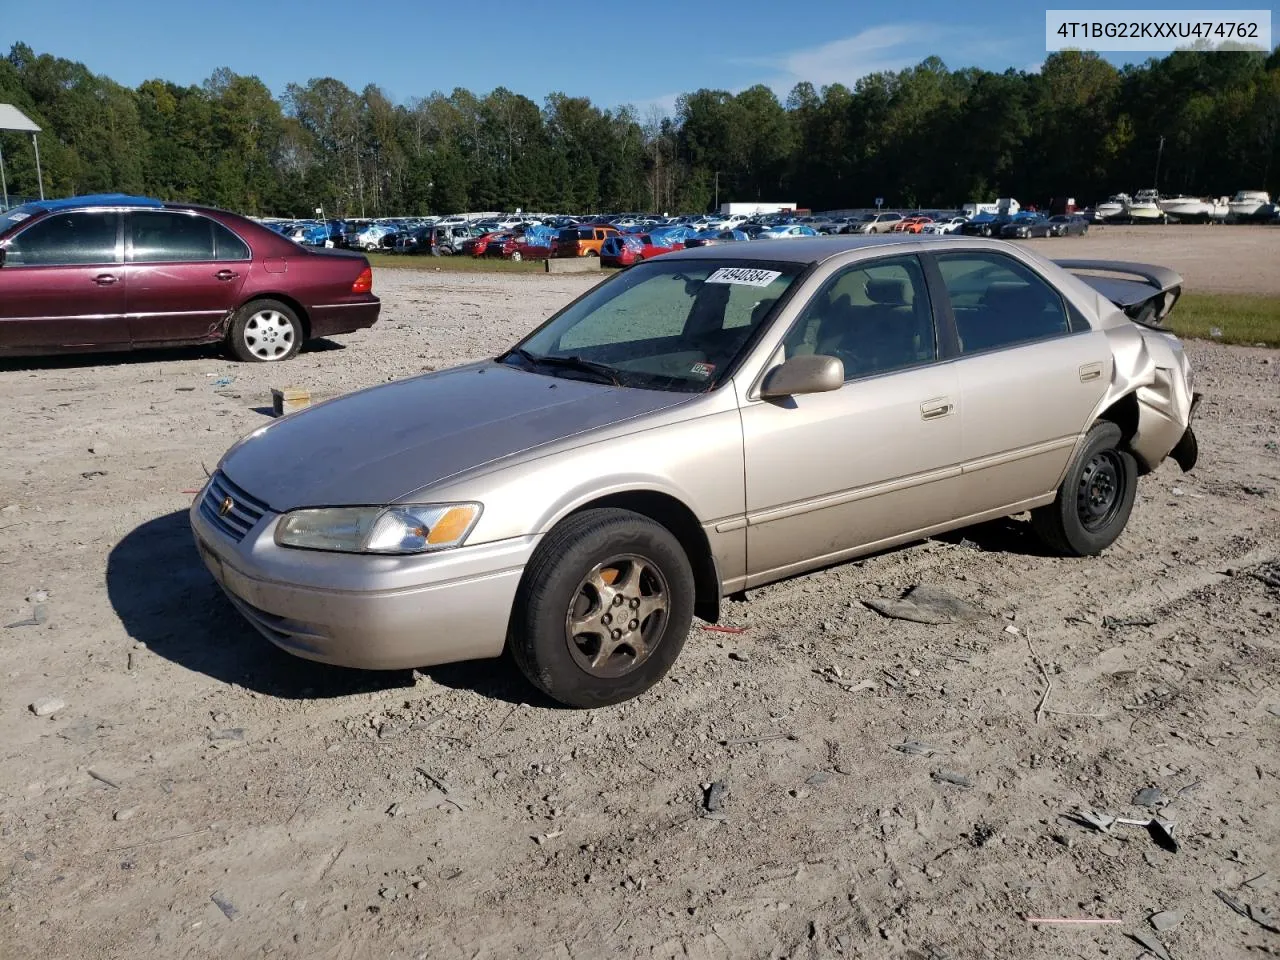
998, 302
66, 239
158, 236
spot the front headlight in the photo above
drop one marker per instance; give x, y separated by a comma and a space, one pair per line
407, 528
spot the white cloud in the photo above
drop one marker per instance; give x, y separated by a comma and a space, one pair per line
666, 104
887, 47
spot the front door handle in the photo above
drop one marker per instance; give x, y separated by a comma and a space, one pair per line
104, 279
225, 275
1090, 371
937, 408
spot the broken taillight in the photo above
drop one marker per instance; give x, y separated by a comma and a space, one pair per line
364, 282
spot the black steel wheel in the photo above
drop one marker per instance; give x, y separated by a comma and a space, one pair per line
1095, 499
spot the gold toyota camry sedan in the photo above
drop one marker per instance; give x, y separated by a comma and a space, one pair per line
698, 425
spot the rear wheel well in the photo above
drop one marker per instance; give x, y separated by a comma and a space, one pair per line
1124, 414
288, 301
684, 526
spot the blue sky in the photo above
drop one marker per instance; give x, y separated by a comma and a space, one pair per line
615, 53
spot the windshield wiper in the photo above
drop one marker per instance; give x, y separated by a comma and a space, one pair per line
600, 370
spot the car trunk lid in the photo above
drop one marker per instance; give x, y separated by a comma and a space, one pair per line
1145, 293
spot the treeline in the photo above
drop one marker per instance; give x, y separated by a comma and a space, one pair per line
924, 136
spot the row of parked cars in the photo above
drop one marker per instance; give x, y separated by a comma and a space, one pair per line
624, 239
629, 243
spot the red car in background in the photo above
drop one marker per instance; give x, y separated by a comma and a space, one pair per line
114, 272
628, 248
476, 246
512, 246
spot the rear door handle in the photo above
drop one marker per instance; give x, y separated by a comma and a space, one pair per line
104, 279
1090, 371
937, 408
225, 275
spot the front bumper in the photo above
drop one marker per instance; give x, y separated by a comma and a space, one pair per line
371, 612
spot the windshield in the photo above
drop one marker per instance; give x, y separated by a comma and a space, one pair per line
673, 325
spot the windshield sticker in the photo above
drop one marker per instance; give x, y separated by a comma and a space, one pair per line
745, 276
703, 370
18, 217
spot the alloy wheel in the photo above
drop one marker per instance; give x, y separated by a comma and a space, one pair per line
269, 335
617, 616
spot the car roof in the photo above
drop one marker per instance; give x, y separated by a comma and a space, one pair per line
97, 200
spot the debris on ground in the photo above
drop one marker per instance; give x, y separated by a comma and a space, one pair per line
1268, 574
39, 614
1150, 944
1113, 623
226, 906
1161, 830
1165, 920
1068, 920
227, 733
722, 628
713, 799
1152, 797
103, 778
950, 776
288, 399
47, 706
1258, 915
924, 603
914, 748
834, 674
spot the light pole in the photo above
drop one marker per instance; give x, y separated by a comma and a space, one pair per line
717, 191
1159, 152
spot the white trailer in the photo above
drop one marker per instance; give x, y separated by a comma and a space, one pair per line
753, 209
1003, 205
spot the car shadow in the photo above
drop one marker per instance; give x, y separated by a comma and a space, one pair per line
164, 596
1005, 535
121, 358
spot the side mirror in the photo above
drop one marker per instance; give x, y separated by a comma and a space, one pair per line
811, 373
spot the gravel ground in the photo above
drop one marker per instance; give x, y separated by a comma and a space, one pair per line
201, 794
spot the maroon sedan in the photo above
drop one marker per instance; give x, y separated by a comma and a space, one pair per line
114, 272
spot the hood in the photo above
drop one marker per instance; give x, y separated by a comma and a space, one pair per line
379, 445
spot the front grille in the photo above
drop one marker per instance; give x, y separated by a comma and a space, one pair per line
230, 509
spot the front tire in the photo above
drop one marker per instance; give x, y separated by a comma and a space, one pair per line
265, 331
604, 608
1095, 499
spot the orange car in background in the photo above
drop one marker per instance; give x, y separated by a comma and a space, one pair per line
911, 224
584, 240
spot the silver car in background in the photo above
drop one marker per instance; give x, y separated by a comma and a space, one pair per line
698, 425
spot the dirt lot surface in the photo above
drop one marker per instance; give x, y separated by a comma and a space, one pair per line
201, 794
1212, 258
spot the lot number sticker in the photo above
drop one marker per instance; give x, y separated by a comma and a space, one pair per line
744, 276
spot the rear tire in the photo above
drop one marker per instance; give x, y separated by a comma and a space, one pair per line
265, 331
1095, 499
604, 608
